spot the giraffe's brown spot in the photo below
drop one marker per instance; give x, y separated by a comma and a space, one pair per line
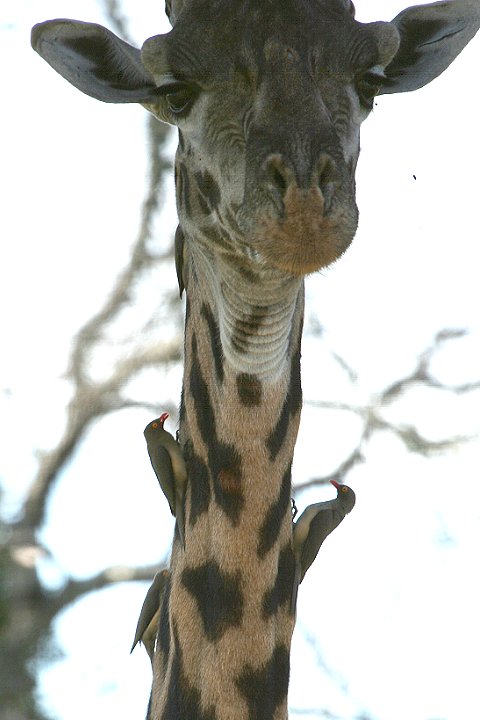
291, 405
180, 258
201, 397
182, 183
215, 342
304, 239
208, 188
218, 596
226, 465
247, 273
281, 592
214, 236
203, 206
265, 689
224, 461
199, 485
183, 699
245, 328
181, 414
249, 389
187, 311
272, 523
206, 191
229, 482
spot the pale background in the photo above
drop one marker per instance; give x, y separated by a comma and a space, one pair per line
388, 617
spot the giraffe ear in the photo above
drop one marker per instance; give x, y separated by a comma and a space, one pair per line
168, 10
94, 60
173, 9
431, 37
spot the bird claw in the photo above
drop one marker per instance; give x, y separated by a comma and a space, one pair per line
294, 509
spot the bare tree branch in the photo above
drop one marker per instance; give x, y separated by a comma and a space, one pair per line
139, 260
74, 589
92, 400
373, 421
421, 374
355, 458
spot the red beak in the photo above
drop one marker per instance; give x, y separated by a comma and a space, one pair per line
162, 418
335, 484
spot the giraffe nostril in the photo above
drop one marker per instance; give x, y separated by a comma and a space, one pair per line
326, 178
326, 170
277, 175
279, 180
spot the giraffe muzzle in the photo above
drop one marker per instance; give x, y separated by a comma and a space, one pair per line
282, 178
300, 221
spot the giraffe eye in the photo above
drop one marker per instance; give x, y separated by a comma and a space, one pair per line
179, 98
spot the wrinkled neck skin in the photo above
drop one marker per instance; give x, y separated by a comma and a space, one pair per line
225, 630
254, 309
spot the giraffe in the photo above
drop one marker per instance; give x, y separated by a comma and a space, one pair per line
268, 98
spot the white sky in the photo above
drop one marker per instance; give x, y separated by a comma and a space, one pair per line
394, 609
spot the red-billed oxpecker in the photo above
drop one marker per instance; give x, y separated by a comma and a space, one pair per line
169, 466
312, 527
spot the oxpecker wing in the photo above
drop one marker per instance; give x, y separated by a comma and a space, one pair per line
312, 527
148, 620
160, 459
169, 466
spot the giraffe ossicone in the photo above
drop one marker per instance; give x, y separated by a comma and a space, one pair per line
268, 98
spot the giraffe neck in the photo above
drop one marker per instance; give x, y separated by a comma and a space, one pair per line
226, 625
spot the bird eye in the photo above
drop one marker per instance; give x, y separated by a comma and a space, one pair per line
154, 425
344, 489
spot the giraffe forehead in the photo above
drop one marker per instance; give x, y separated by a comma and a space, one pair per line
210, 40
239, 9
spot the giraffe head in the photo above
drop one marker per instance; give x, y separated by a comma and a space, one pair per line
268, 98
269, 110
